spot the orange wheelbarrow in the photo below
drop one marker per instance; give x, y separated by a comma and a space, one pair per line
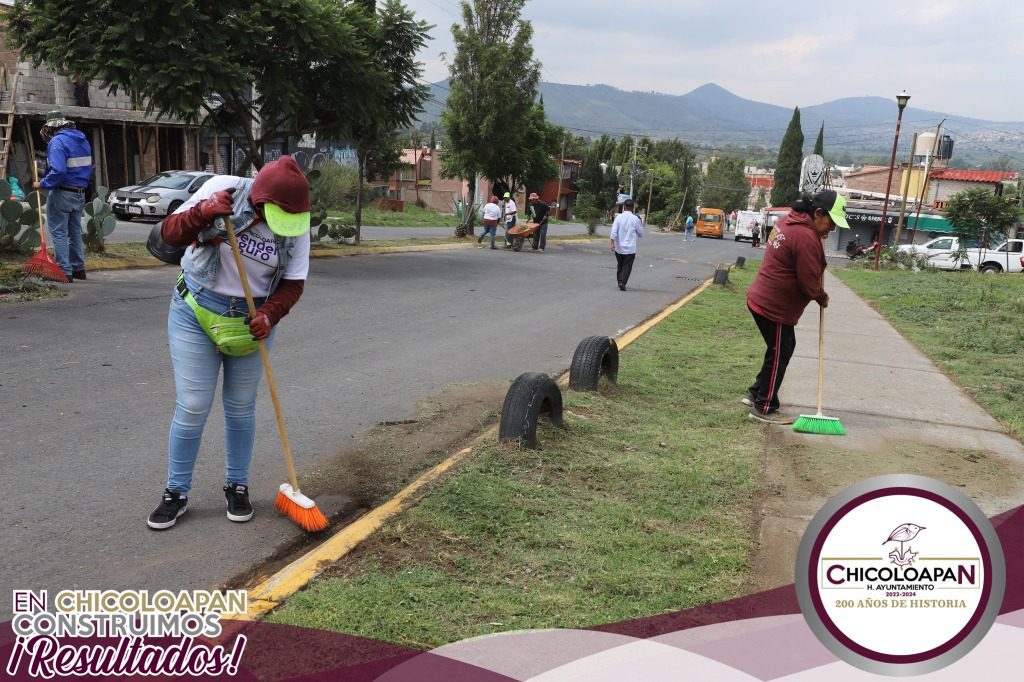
520, 233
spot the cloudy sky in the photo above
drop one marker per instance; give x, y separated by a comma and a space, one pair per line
961, 57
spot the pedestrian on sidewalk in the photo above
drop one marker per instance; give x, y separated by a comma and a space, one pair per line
68, 172
791, 276
625, 231
688, 233
755, 234
491, 214
539, 212
208, 326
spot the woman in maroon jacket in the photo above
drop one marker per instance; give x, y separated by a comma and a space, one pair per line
791, 276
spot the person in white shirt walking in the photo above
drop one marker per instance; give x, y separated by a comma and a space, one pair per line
491, 214
625, 231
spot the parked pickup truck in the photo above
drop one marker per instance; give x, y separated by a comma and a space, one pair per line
941, 253
1007, 257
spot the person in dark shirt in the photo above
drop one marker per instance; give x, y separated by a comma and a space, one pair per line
539, 210
791, 276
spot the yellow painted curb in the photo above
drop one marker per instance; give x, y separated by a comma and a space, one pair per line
268, 594
273, 590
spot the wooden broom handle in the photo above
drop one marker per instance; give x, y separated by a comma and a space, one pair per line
35, 177
282, 431
821, 358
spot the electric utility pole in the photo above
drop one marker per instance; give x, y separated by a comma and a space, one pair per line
633, 167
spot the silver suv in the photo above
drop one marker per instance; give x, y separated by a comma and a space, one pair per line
157, 196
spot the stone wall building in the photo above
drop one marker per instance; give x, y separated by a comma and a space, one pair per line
128, 144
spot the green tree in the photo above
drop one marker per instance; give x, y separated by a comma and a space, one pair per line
492, 81
787, 166
535, 156
395, 98
726, 185
819, 144
597, 186
761, 202
204, 61
978, 215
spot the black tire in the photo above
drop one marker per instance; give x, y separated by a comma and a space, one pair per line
123, 216
737, 237
173, 206
595, 356
722, 276
530, 395
517, 243
990, 269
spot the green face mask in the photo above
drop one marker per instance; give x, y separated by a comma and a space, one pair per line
231, 334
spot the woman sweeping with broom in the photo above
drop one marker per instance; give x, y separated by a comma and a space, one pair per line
209, 327
791, 276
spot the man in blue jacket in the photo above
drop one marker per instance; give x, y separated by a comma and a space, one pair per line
69, 168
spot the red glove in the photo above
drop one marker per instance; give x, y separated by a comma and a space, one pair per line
220, 204
259, 325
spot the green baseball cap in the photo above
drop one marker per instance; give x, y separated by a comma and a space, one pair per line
834, 203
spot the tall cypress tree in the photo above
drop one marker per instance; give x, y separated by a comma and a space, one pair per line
819, 144
787, 167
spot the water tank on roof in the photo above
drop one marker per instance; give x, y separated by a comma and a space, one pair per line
924, 144
945, 147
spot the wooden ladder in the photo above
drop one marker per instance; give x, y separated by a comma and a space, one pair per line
8, 88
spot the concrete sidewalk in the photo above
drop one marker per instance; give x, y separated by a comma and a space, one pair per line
892, 401
881, 386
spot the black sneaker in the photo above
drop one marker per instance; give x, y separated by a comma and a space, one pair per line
166, 515
78, 274
239, 509
771, 417
748, 399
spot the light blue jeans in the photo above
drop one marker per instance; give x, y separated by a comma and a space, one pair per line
64, 220
197, 366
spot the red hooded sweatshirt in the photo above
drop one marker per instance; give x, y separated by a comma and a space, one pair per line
793, 272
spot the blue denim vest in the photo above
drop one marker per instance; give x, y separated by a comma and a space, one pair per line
202, 259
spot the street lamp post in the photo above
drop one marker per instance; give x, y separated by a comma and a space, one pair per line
901, 102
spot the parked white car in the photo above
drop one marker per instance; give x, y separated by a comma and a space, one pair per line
157, 196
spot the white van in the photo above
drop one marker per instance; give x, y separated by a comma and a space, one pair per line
744, 219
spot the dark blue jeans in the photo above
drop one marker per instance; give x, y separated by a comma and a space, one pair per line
64, 221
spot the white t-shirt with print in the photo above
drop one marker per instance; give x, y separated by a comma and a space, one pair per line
257, 245
259, 254
491, 211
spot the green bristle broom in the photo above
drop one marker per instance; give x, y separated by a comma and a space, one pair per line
819, 423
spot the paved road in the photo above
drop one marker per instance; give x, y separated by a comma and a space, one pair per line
86, 392
136, 231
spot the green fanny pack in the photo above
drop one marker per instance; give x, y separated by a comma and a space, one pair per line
231, 334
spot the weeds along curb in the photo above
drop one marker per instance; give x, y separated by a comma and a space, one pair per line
268, 594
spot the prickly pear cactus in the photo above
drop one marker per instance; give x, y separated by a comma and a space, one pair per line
101, 221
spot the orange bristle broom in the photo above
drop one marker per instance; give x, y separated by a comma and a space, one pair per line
290, 499
42, 263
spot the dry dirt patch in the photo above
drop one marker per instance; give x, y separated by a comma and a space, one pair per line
390, 456
798, 478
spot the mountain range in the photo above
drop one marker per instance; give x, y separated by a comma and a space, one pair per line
710, 116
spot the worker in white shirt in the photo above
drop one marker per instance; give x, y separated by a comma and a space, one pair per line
511, 209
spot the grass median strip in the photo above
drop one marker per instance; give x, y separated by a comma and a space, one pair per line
642, 505
968, 324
